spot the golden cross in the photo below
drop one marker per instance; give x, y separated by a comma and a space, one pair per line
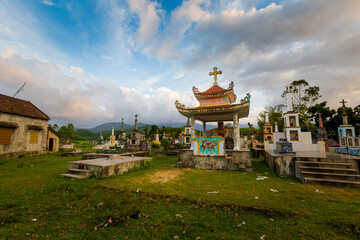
215, 73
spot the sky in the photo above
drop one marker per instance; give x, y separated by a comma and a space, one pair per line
96, 61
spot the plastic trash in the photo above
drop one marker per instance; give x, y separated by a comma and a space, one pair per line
261, 178
212, 192
274, 190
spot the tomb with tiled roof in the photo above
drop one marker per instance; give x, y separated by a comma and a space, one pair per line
217, 104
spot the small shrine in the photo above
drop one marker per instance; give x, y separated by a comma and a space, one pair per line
185, 136
216, 104
137, 140
348, 141
268, 129
298, 140
100, 140
112, 140
121, 136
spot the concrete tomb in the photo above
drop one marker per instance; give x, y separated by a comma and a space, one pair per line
209, 151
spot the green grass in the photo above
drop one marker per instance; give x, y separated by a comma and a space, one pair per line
171, 202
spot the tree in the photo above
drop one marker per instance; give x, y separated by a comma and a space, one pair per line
275, 116
333, 118
67, 132
304, 97
146, 133
55, 127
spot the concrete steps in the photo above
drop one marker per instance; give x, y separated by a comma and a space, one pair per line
333, 182
328, 171
81, 172
78, 173
332, 164
336, 176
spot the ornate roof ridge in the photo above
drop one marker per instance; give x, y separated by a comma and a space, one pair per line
213, 90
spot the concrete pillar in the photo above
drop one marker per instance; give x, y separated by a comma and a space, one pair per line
204, 129
246, 140
266, 117
236, 132
192, 119
289, 102
276, 127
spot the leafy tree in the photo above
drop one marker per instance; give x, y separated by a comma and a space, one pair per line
275, 116
333, 118
165, 144
55, 127
68, 132
304, 96
146, 133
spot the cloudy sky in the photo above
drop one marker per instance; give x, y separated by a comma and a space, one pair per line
90, 62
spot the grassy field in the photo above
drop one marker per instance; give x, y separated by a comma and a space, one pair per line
166, 203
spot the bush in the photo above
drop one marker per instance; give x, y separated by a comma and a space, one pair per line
155, 144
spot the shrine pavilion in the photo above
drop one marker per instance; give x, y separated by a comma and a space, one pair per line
216, 104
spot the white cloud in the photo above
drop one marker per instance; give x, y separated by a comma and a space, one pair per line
85, 103
48, 2
149, 19
107, 57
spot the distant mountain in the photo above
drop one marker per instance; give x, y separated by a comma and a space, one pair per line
108, 127
117, 126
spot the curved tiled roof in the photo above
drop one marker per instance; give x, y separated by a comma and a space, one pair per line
20, 107
215, 89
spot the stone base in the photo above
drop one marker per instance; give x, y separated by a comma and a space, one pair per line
233, 160
104, 167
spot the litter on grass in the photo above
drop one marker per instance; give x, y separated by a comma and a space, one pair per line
212, 192
274, 190
261, 178
317, 190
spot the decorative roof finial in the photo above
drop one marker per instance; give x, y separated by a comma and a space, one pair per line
215, 73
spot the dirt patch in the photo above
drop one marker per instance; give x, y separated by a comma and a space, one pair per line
166, 175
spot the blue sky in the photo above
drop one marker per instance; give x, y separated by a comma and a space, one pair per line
89, 62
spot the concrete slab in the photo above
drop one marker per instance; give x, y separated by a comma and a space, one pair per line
103, 167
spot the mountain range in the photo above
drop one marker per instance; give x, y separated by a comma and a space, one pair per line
117, 125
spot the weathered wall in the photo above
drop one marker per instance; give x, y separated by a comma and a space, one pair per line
235, 160
281, 165
20, 137
55, 141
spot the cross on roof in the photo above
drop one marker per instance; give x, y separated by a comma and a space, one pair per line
215, 73
136, 116
343, 102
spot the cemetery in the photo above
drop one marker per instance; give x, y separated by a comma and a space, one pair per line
221, 179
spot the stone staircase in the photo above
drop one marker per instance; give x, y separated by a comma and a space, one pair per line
77, 171
340, 172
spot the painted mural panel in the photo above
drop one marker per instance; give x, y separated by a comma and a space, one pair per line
214, 101
213, 146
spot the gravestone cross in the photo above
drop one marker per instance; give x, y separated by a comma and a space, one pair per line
343, 102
